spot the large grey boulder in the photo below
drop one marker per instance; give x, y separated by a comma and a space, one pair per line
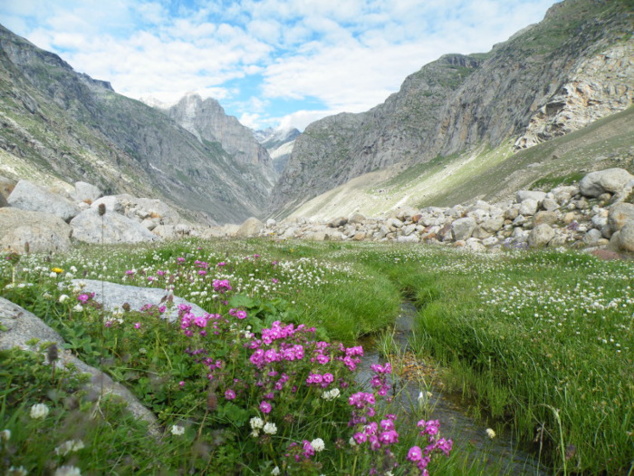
528, 207
462, 228
111, 228
609, 180
250, 227
624, 238
28, 196
540, 236
113, 296
19, 326
43, 232
86, 192
619, 215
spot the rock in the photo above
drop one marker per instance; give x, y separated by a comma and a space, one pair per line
473, 244
360, 236
113, 296
6, 186
113, 203
529, 195
28, 196
356, 218
337, 222
540, 236
619, 215
528, 207
625, 237
111, 228
493, 225
42, 231
394, 222
270, 223
609, 180
550, 204
3, 201
512, 213
22, 326
85, 192
550, 218
250, 227
592, 237
462, 228
564, 193
408, 239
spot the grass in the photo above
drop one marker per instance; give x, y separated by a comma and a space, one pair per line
536, 343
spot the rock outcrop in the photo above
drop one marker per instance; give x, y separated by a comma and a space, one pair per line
37, 232
19, 326
548, 80
29, 196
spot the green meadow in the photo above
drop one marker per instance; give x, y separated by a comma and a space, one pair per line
536, 344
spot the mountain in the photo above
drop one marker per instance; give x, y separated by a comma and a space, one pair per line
60, 126
279, 143
546, 81
206, 119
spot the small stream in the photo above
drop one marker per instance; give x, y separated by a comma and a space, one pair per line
501, 452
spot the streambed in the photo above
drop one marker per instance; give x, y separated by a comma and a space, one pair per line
501, 453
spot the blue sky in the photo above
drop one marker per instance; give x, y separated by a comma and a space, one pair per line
268, 62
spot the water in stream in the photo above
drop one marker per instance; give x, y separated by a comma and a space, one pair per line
501, 452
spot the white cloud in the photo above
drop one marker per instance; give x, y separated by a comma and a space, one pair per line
348, 55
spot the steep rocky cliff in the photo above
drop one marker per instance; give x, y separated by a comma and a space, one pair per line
61, 124
206, 119
279, 143
572, 68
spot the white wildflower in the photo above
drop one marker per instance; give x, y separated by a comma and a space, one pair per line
318, 444
78, 308
490, 433
270, 428
275, 471
5, 435
69, 446
39, 411
177, 430
67, 471
256, 423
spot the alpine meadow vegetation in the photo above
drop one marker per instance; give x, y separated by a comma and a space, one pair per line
266, 379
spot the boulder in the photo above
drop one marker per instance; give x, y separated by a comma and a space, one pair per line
609, 180
113, 203
528, 207
356, 218
28, 196
85, 192
624, 239
592, 237
6, 186
43, 232
250, 227
529, 195
19, 326
619, 215
111, 228
462, 228
540, 236
3, 201
550, 218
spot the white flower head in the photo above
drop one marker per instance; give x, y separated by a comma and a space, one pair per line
318, 444
78, 308
67, 471
5, 435
331, 394
256, 423
177, 430
69, 446
490, 433
39, 411
275, 471
63, 298
270, 428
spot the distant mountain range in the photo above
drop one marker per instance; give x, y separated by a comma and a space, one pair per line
463, 127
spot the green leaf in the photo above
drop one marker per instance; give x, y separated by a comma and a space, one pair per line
241, 301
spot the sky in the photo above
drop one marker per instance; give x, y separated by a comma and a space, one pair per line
270, 63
